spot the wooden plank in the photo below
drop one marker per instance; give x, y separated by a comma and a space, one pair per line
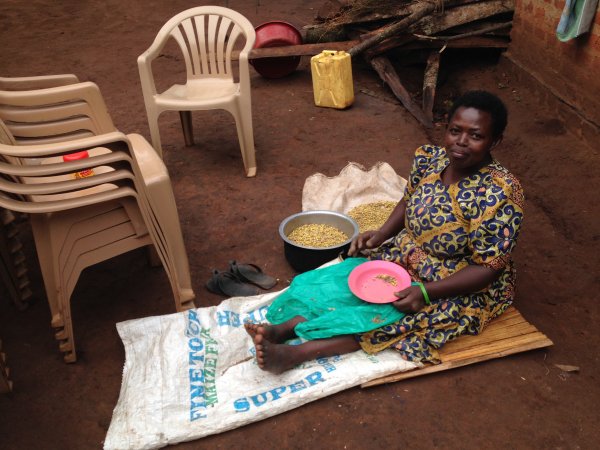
502, 321
510, 312
506, 335
466, 342
509, 327
315, 49
298, 50
540, 343
499, 345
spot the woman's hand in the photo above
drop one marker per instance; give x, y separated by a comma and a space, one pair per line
410, 300
368, 239
467, 280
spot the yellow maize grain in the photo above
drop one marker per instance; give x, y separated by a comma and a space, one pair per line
317, 235
371, 216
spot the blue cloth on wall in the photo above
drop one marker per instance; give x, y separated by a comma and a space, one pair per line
576, 18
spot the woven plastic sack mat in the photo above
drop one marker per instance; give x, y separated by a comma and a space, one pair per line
193, 374
353, 186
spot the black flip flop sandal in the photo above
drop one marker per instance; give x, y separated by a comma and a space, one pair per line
252, 274
227, 284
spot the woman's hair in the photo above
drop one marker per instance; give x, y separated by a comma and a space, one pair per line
484, 101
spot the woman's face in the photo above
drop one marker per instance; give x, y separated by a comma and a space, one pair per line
469, 138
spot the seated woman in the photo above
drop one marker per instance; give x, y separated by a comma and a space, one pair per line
454, 231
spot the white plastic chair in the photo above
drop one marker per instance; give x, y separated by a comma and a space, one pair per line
77, 222
206, 36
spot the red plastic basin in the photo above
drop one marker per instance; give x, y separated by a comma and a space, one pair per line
276, 34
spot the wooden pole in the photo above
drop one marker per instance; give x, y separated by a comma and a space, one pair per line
315, 49
466, 35
420, 11
434, 24
430, 83
454, 17
386, 71
316, 33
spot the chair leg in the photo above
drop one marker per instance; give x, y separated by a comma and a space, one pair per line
155, 132
162, 220
64, 335
186, 125
152, 256
243, 123
55, 290
48, 266
175, 261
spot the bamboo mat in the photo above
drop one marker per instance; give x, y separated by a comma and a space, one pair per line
506, 335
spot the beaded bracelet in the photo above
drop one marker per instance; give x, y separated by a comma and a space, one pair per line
425, 295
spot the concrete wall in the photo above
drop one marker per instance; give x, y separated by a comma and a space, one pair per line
569, 71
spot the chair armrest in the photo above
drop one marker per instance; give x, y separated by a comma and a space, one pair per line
64, 204
41, 150
145, 68
63, 183
99, 156
150, 164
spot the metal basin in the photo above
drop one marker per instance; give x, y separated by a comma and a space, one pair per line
303, 258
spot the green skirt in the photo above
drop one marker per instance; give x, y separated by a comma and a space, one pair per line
323, 298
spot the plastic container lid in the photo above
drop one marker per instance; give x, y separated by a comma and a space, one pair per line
75, 156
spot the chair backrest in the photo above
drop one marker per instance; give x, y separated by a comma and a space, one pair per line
38, 82
54, 185
55, 114
206, 36
51, 123
7, 138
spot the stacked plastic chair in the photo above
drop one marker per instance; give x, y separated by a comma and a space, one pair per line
207, 37
13, 268
5, 382
87, 210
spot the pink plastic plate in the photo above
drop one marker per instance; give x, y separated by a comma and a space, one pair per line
376, 281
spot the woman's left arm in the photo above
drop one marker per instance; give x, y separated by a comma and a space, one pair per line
492, 237
470, 279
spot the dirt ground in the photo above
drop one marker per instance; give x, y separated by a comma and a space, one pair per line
521, 401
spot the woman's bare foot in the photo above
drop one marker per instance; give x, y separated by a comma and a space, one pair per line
278, 358
275, 358
276, 334
270, 332
252, 328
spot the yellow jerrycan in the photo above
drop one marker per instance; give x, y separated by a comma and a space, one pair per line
332, 79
